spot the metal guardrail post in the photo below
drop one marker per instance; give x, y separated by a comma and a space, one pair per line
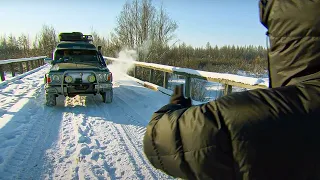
27, 64
21, 67
188, 86
165, 79
227, 89
151, 75
13, 73
135, 71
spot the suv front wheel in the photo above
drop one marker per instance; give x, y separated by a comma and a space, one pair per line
107, 96
51, 99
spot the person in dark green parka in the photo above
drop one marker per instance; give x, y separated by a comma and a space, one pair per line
260, 134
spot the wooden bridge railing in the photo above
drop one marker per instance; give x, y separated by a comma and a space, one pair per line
228, 80
19, 65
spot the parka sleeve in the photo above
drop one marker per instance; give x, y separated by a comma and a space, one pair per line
190, 143
239, 135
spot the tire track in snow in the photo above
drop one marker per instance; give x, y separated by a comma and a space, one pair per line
64, 152
15, 163
132, 136
12, 92
134, 105
80, 140
144, 105
85, 148
24, 122
135, 136
115, 150
73, 155
114, 157
32, 167
62, 158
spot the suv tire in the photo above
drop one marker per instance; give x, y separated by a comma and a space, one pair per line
107, 96
51, 99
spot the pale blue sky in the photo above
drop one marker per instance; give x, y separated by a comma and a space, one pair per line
220, 22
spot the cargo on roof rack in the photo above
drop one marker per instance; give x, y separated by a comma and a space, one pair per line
75, 36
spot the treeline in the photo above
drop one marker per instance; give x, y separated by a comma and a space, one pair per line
150, 31
21, 46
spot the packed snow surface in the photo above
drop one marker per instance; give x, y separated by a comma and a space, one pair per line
81, 137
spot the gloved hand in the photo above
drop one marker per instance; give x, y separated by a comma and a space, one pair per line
178, 97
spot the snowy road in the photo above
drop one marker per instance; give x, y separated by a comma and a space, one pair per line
80, 138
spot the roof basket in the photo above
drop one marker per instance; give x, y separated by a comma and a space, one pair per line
75, 36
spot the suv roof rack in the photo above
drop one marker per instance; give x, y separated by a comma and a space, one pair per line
75, 36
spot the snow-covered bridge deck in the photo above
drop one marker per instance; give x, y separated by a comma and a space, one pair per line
80, 138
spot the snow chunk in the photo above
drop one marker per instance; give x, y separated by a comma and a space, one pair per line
85, 150
84, 139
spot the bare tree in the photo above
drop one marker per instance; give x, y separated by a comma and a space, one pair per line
165, 27
140, 22
46, 40
24, 45
198, 90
